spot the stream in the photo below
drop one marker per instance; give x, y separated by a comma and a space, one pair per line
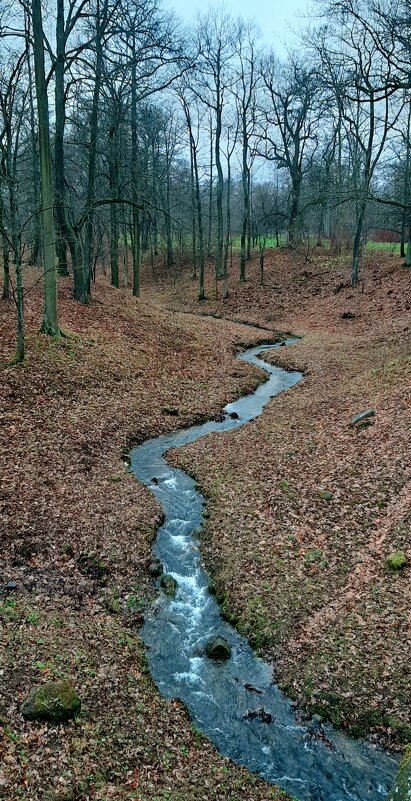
310, 761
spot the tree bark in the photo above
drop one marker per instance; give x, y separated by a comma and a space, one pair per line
246, 198
134, 175
6, 255
193, 217
114, 227
66, 235
50, 324
210, 191
101, 23
220, 182
34, 255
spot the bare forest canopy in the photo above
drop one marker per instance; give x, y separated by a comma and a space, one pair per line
124, 134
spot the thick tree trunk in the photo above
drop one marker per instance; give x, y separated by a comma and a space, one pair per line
293, 225
402, 239
357, 244
50, 324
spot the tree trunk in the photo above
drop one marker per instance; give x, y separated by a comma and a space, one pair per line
136, 252
228, 228
402, 240
293, 226
125, 249
220, 189
101, 22
249, 221
262, 254
66, 235
50, 324
406, 185
134, 176
357, 244
113, 177
201, 292
193, 217
246, 199
407, 262
6, 256
34, 255
11, 171
210, 191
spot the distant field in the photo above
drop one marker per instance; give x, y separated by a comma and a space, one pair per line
271, 242
388, 247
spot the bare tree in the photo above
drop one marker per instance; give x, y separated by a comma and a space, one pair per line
289, 122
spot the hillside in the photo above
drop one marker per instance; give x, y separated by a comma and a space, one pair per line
302, 573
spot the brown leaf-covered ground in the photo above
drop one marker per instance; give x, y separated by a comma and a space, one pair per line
305, 578
76, 532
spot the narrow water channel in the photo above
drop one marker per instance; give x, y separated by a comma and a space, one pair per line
311, 762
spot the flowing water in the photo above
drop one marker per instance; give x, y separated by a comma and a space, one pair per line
312, 761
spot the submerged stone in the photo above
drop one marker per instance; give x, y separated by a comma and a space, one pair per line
169, 585
218, 648
260, 714
155, 568
55, 702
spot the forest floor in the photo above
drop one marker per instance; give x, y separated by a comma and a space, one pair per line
76, 533
304, 509
303, 577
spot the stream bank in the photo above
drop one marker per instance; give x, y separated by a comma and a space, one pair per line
312, 762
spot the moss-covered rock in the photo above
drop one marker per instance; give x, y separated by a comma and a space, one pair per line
402, 786
326, 495
56, 702
218, 648
155, 568
169, 585
396, 560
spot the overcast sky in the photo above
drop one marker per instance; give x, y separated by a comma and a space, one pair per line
275, 18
